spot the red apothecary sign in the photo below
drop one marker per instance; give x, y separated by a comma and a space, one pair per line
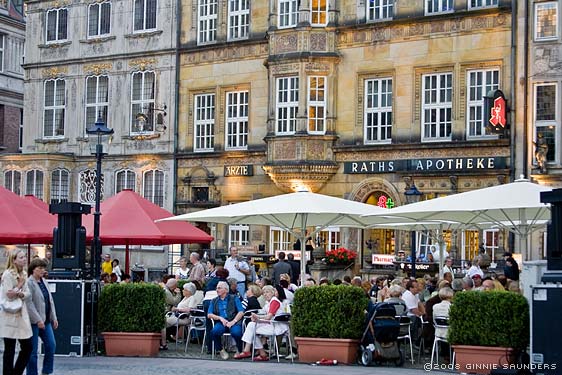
495, 111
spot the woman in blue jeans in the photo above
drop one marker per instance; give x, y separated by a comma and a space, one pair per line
42, 315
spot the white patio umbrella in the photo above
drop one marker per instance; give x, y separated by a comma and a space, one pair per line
293, 212
515, 206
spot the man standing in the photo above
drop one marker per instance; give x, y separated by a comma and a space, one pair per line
295, 267
448, 266
238, 269
106, 265
197, 272
281, 267
227, 312
511, 268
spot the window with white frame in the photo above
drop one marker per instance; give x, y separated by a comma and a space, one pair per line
12, 181
87, 186
438, 6
426, 243
437, 106
546, 118
318, 12
279, 240
145, 15
153, 187
378, 10
288, 13
316, 104
34, 183
490, 242
54, 108
207, 21
287, 105
2, 42
238, 235
21, 130
482, 3
99, 19
329, 238
60, 181
204, 122
125, 179
377, 115
546, 20
57, 25
237, 120
479, 83
238, 19
97, 99
142, 102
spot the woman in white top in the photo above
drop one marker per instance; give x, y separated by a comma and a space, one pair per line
116, 269
182, 272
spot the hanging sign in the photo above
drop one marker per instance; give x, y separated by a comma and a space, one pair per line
495, 110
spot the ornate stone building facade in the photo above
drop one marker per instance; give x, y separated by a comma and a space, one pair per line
84, 59
354, 99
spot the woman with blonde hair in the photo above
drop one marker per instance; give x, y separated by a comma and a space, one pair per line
14, 319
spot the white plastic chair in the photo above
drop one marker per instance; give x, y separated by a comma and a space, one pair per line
405, 332
198, 323
441, 322
273, 344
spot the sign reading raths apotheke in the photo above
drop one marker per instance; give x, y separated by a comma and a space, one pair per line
473, 164
238, 170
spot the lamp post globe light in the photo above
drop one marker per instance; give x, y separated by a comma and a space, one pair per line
98, 133
413, 195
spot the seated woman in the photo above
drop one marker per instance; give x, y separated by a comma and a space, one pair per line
251, 301
179, 315
263, 326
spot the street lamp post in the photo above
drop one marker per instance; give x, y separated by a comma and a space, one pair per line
98, 132
413, 195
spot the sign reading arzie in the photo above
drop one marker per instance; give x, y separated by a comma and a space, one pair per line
425, 165
238, 170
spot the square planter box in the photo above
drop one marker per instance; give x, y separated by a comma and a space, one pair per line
131, 344
314, 349
481, 359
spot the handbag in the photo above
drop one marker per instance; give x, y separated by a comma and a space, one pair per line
12, 306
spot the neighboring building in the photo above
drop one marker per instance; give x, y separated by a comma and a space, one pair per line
355, 99
114, 59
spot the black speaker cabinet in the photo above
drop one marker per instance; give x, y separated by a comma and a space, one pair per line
546, 329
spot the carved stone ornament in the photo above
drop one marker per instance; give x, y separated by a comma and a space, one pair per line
97, 69
292, 176
142, 64
286, 43
60, 3
54, 72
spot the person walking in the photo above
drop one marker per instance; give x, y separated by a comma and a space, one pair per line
43, 317
14, 318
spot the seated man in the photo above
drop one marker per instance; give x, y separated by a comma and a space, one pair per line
227, 312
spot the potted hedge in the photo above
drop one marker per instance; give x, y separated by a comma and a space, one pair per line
131, 317
328, 322
488, 329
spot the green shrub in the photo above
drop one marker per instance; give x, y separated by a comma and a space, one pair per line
137, 307
494, 318
329, 312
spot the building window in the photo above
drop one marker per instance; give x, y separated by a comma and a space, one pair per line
97, 99
204, 122
546, 120
12, 181
378, 10
153, 187
438, 6
238, 19
57, 20
480, 82
87, 186
125, 179
546, 21
287, 105
237, 120
279, 240
200, 194
2, 42
288, 13
21, 130
145, 15
316, 105
34, 183
437, 106
490, 241
378, 110
318, 12
99, 19
55, 103
483, 3
142, 101
207, 21
238, 235
59, 185
329, 238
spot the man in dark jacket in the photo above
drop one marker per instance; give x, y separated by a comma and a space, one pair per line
281, 267
295, 268
511, 268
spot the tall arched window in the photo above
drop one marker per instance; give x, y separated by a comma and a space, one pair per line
153, 187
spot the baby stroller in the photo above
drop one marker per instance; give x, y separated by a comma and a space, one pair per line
380, 339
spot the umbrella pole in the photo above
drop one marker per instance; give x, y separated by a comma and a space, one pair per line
28, 253
442, 245
127, 257
303, 248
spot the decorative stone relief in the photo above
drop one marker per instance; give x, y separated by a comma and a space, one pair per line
318, 42
316, 67
417, 29
286, 43
479, 23
54, 72
437, 27
97, 69
142, 64
285, 68
285, 151
316, 151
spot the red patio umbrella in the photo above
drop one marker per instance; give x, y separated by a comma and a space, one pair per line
22, 222
128, 219
37, 202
